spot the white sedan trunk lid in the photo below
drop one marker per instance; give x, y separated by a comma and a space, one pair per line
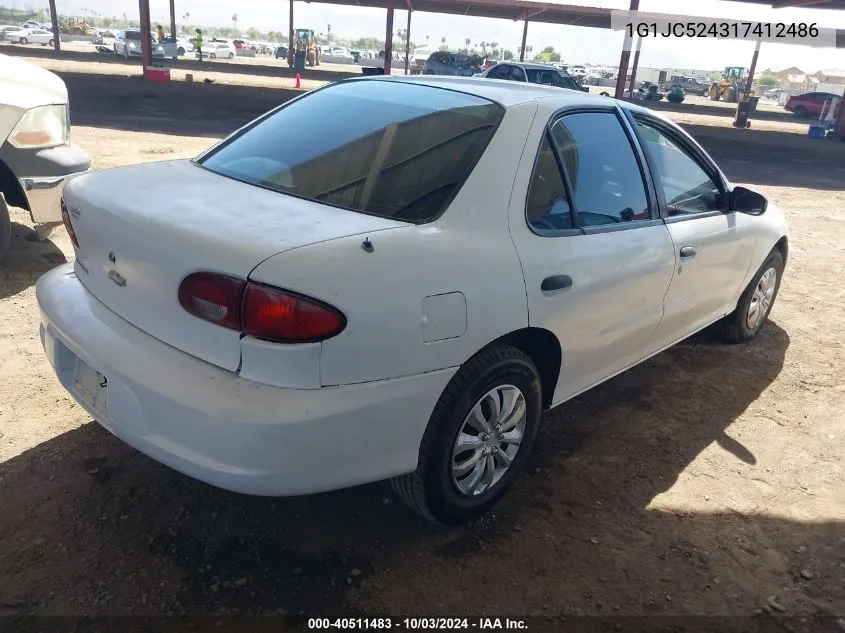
142, 229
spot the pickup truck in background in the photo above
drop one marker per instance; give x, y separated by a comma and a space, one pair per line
691, 85
36, 155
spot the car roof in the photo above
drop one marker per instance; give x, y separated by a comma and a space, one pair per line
531, 65
502, 91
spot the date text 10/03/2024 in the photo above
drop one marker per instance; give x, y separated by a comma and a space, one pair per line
417, 624
737, 30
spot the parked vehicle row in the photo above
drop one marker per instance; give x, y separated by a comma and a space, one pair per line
30, 36
248, 340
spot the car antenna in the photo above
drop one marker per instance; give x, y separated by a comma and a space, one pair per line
367, 245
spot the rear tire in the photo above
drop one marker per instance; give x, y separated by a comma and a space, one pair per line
231, 55
213, 56
24, 41
180, 52
744, 323
439, 489
51, 43
5, 228
801, 112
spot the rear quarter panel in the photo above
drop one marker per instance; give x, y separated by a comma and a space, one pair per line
428, 296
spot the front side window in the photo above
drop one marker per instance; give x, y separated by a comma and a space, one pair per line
605, 176
400, 151
687, 187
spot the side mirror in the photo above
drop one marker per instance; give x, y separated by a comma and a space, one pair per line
746, 201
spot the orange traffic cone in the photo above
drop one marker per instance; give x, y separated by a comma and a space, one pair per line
298, 83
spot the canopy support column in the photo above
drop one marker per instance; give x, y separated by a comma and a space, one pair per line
633, 85
408, 41
291, 43
146, 34
524, 39
173, 28
388, 38
54, 20
625, 59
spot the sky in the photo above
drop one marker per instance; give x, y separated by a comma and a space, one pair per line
577, 45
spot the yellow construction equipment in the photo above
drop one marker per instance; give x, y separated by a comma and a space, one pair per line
75, 26
730, 86
306, 41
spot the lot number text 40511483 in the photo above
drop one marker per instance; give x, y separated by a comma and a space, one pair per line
417, 624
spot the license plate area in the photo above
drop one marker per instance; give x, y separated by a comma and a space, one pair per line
91, 387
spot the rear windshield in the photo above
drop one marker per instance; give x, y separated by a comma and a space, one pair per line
133, 35
385, 148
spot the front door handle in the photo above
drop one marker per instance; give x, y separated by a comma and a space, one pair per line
556, 282
688, 252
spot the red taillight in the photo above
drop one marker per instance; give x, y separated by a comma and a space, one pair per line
68, 225
264, 312
275, 315
213, 297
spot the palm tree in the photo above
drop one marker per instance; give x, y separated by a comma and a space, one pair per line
235, 22
426, 40
467, 41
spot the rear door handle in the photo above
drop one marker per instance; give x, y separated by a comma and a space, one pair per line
688, 252
556, 282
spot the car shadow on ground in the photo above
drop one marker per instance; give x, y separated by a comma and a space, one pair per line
112, 531
28, 258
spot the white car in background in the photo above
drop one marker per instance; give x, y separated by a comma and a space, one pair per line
289, 318
220, 50
32, 36
177, 47
8, 32
128, 44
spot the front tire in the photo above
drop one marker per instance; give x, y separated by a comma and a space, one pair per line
755, 304
231, 55
478, 438
180, 52
24, 41
213, 56
801, 112
51, 43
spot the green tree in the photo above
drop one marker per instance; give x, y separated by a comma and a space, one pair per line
547, 55
507, 55
770, 81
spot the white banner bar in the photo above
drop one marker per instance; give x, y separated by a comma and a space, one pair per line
667, 26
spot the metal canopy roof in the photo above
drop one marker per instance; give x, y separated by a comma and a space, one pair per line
548, 12
803, 4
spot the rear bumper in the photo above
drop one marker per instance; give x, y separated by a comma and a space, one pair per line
230, 432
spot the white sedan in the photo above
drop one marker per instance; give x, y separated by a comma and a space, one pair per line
32, 36
305, 313
220, 50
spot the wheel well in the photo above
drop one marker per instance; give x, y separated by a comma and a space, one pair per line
783, 247
544, 349
11, 189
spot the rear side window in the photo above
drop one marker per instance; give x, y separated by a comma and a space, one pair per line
399, 151
605, 176
547, 208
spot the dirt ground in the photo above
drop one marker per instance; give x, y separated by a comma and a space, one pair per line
707, 481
